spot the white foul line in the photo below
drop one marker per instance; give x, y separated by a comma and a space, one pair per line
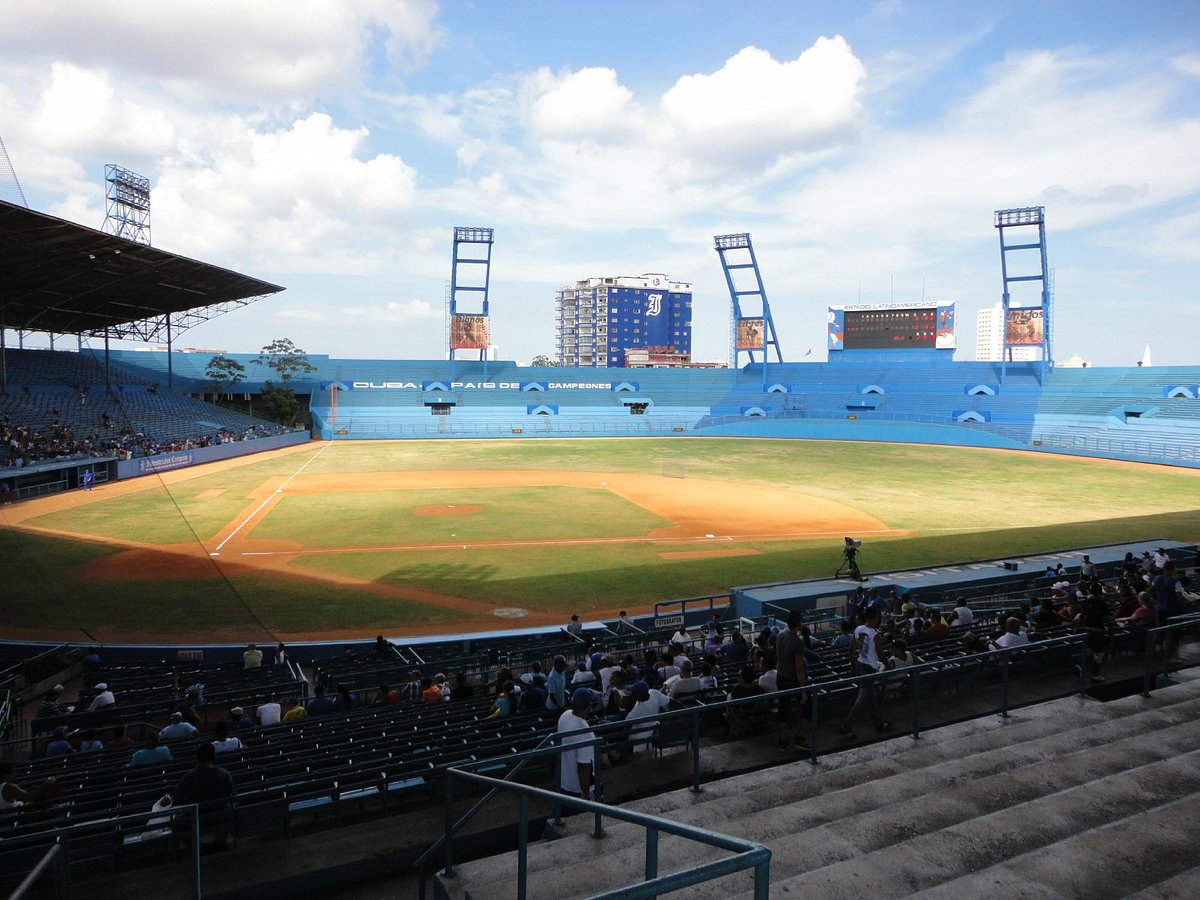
278, 490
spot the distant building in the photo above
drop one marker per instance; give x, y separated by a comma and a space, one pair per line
989, 338
600, 320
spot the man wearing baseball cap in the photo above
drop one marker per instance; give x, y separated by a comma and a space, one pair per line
575, 765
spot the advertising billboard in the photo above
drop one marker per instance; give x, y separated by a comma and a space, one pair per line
750, 334
468, 332
945, 327
836, 328
1024, 326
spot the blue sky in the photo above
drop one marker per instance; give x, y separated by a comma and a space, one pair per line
332, 146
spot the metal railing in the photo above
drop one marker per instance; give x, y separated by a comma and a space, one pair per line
158, 823
1167, 633
746, 854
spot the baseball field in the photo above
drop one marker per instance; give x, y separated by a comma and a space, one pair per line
333, 540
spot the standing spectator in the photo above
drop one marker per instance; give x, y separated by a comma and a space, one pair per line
1168, 602
252, 657
624, 624
791, 673
281, 656
102, 699
867, 659
556, 686
575, 765
1087, 569
382, 648
206, 782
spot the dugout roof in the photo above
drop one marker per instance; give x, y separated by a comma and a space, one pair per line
57, 276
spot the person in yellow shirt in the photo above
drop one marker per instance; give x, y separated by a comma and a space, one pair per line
295, 711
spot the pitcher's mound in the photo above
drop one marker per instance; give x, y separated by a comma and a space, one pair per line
458, 509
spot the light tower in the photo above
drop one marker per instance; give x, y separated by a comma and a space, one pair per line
750, 332
470, 275
1025, 324
127, 212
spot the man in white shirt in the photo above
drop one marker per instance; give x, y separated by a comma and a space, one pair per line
867, 656
1014, 635
681, 637
1087, 569
647, 702
683, 684
270, 712
102, 699
575, 764
962, 613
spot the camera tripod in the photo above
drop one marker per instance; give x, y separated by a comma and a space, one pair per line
850, 566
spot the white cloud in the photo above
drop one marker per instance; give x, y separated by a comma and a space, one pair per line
755, 107
266, 48
1188, 64
585, 105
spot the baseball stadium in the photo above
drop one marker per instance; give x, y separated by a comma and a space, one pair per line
434, 541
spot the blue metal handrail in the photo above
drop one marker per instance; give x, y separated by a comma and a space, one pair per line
747, 854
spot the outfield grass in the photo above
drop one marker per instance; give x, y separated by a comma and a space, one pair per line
387, 518
954, 504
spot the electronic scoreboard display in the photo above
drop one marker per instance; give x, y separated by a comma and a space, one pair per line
892, 329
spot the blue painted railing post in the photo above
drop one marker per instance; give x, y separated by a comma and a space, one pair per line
448, 868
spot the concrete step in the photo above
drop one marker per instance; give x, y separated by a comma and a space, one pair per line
1183, 886
820, 819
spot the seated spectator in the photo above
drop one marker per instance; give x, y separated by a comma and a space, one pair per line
505, 703
533, 698
768, 680
735, 651
88, 742
386, 696
962, 613
178, 729
93, 657
252, 657
12, 795
747, 684
583, 677
104, 698
535, 668
382, 648
461, 690
52, 704
119, 738
295, 712
430, 692
900, 657
270, 713
238, 720
1013, 636
319, 705
205, 783
60, 745
413, 687
684, 685
223, 742
974, 643
151, 754
1047, 616
936, 627
1142, 617
681, 638
649, 671
845, 637
646, 702
575, 627
708, 681
344, 701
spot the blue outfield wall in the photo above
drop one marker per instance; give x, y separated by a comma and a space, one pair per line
1143, 414
181, 459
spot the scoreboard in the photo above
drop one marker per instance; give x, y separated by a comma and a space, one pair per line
898, 327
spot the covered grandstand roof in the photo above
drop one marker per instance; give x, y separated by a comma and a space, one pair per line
61, 277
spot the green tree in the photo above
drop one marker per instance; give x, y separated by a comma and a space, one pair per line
224, 373
542, 361
279, 403
285, 358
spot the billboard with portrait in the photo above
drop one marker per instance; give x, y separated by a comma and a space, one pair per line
750, 334
468, 332
1024, 326
945, 327
836, 328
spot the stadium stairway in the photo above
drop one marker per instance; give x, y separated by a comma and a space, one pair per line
1071, 798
